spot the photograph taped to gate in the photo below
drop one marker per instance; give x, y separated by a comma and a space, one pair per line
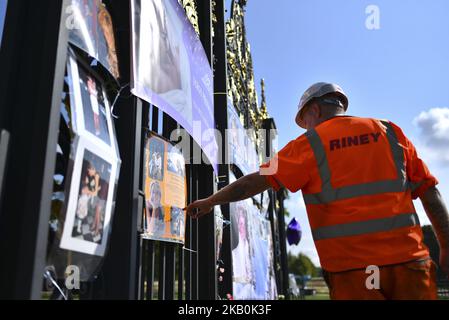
177, 222
90, 202
155, 211
91, 114
92, 31
94, 109
175, 161
219, 220
93, 194
157, 159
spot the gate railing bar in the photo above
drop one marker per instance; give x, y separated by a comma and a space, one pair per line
170, 256
150, 270
162, 271
180, 273
141, 269
143, 244
155, 119
194, 245
4, 146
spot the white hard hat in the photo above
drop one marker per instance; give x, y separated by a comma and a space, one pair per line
317, 91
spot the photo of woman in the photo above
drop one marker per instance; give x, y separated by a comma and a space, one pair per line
177, 222
241, 253
175, 161
218, 231
154, 211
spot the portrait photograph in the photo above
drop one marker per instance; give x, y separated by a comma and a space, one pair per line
177, 222
241, 251
154, 213
90, 199
175, 161
156, 159
94, 107
91, 113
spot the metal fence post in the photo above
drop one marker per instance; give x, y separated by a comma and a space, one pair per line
283, 244
120, 269
221, 118
32, 61
207, 282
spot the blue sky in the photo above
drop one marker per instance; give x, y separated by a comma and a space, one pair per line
2, 16
399, 72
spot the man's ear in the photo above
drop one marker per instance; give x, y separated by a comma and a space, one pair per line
316, 110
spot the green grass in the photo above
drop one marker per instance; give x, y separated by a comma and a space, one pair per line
318, 296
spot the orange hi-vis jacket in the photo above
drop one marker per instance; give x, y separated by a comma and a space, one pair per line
358, 177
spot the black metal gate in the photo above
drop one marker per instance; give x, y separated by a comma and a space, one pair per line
32, 61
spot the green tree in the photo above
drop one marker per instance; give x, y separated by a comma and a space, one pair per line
301, 265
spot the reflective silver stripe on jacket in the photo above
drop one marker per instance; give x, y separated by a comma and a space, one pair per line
329, 194
365, 227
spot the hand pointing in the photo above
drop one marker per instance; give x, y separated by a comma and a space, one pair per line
199, 208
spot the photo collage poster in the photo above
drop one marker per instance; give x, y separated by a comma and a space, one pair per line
165, 191
95, 165
252, 252
171, 69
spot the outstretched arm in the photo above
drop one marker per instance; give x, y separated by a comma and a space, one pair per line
438, 214
243, 188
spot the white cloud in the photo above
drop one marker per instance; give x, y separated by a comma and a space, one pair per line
434, 126
433, 147
423, 218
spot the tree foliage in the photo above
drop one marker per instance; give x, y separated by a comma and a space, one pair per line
302, 265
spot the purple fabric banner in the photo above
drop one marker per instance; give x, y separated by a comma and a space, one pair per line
171, 70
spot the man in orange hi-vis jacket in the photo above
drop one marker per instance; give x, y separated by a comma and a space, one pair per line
358, 177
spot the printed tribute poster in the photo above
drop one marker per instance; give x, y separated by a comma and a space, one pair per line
252, 252
165, 191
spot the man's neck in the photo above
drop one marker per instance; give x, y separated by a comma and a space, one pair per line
331, 116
